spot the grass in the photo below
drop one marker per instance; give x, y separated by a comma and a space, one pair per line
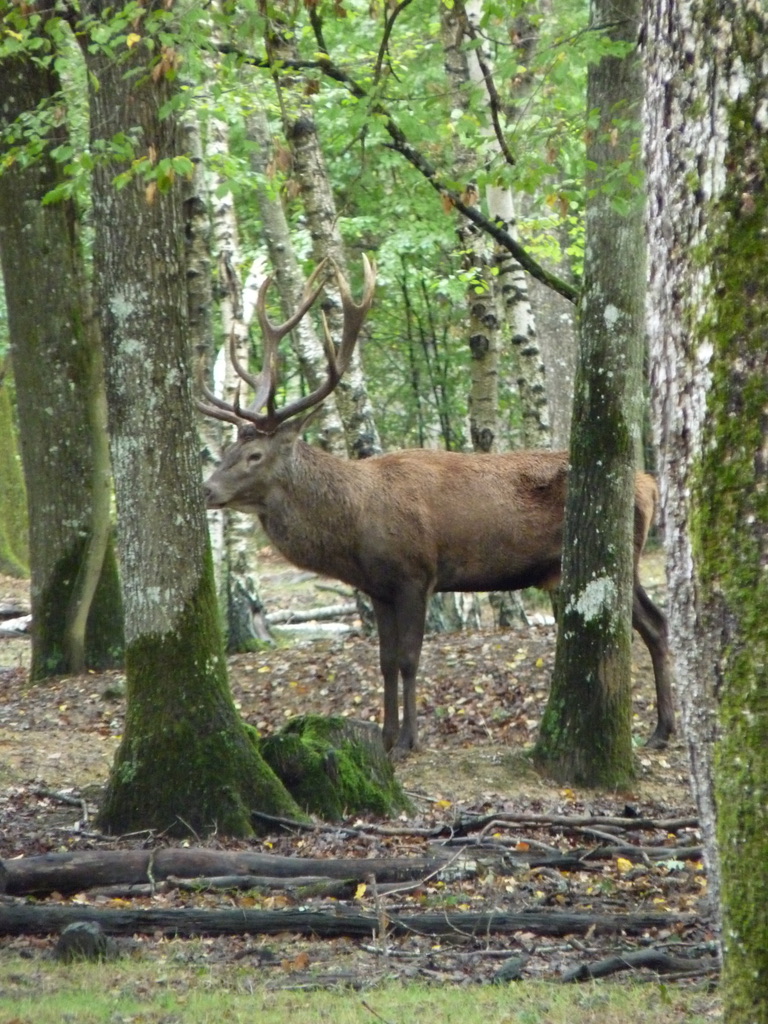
41, 991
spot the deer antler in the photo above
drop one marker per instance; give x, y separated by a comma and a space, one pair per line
264, 384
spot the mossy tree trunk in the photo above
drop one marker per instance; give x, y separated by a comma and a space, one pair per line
186, 763
585, 733
76, 609
14, 545
707, 154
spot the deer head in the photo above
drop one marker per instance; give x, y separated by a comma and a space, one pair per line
266, 433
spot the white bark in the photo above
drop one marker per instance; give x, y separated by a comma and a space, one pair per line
685, 135
231, 533
518, 321
310, 172
290, 282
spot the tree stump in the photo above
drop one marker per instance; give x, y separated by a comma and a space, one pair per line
335, 767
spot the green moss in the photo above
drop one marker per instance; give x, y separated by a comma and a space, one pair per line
104, 633
187, 764
335, 767
728, 532
14, 548
585, 737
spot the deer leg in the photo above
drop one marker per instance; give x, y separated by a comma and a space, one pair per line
386, 622
411, 612
651, 624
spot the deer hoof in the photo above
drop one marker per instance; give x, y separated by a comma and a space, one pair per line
398, 753
658, 741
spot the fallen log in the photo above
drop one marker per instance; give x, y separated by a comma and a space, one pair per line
476, 822
13, 609
39, 919
68, 873
654, 959
577, 859
327, 613
301, 887
21, 627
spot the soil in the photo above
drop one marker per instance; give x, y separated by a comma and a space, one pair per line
481, 696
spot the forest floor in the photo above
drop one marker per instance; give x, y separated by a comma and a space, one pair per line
481, 696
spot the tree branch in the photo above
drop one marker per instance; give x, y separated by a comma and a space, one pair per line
401, 145
490, 86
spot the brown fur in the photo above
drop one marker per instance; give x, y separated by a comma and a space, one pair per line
407, 524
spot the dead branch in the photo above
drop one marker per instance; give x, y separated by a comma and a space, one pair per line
655, 959
39, 919
79, 871
470, 823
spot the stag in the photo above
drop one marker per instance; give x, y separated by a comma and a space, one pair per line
404, 525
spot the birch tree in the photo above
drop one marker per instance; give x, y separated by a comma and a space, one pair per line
290, 280
309, 171
232, 533
707, 158
518, 323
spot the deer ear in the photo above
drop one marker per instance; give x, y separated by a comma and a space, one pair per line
306, 420
291, 429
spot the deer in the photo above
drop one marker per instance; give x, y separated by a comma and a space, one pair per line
406, 524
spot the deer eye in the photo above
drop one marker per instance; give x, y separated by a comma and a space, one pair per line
254, 458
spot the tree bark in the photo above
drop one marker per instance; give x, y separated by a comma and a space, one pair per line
238, 584
290, 282
186, 762
310, 175
76, 606
516, 321
42, 920
585, 732
14, 544
706, 146
75, 872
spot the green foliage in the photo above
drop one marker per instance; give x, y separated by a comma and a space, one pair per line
416, 357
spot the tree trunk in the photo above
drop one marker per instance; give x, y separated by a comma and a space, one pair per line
516, 322
186, 762
310, 174
238, 584
707, 141
14, 546
556, 330
26, 919
586, 729
483, 327
77, 615
290, 282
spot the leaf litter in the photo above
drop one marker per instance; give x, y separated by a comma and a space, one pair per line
481, 695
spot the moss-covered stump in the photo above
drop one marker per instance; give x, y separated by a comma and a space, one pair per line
335, 767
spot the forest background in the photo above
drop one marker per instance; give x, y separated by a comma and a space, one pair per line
317, 75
